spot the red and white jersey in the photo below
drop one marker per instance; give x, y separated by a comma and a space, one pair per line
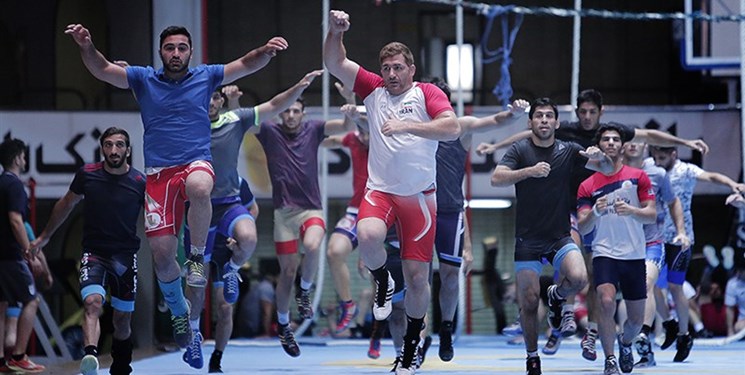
402, 164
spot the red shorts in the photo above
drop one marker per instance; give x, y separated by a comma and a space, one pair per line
414, 216
165, 194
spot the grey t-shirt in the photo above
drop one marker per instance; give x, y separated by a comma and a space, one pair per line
227, 136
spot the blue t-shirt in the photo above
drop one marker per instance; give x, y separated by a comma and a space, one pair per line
175, 114
12, 198
112, 208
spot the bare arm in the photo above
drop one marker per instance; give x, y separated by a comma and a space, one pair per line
676, 212
334, 141
471, 124
334, 53
730, 320
597, 160
350, 111
94, 61
721, 179
504, 176
586, 219
658, 138
467, 247
646, 214
444, 127
60, 212
233, 93
19, 230
735, 200
486, 148
254, 60
284, 100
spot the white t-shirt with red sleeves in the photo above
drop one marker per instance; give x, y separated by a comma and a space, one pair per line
401, 164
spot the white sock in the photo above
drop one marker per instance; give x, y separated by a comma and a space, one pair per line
283, 318
233, 266
194, 324
305, 284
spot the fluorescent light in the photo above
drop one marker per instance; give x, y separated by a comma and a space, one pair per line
489, 203
459, 68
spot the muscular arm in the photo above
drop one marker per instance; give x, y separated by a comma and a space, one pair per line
334, 53
471, 124
658, 138
444, 127
334, 141
720, 179
94, 61
486, 148
586, 220
19, 229
676, 212
504, 176
646, 214
254, 60
60, 212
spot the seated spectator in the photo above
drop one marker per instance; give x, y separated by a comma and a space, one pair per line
734, 299
713, 312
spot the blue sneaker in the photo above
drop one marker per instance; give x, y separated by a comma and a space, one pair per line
231, 283
193, 354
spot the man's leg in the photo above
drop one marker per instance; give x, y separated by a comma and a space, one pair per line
198, 187
371, 233
642, 342
121, 345
193, 355
528, 299
168, 272
312, 236
223, 330
416, 304
572, 279
93, 308
245, 237
338, 251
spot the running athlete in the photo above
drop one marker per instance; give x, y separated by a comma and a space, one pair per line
114, 193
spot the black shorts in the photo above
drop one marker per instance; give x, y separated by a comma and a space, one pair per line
117, 271
628, 276
449, 238
16, 282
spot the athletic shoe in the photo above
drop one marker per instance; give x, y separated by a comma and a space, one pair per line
193, 354
611, 366
554, 308
383, 306
231, 284
553, 343
728, 257
683, 345
513, 329
89, 365
711, 256
195, 271
4, 369
625, 356
568, 324
421, 350
533, 366
214, 366
347, 312
181, 330
374, 350
287, 339
588, 345
409, 357
643, 345
646, 361
304, 307
446, 341
24, 365
671, 333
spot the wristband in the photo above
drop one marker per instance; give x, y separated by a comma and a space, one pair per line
595, 210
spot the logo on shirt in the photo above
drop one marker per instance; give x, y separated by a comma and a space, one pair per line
407, 108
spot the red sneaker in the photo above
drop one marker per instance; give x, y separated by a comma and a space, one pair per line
4, 369
25, 365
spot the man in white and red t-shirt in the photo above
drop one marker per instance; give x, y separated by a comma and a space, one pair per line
406, 119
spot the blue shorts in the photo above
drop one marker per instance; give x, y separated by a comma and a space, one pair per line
347, 226
628, 276
656, 254
225, 214
677, 260
449, 238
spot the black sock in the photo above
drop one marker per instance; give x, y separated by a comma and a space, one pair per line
92, 350
18, 357
380, 274
646, 329
121, 355
216, 355
446, 325
411, 339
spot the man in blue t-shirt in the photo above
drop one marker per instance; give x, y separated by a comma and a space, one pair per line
174, 102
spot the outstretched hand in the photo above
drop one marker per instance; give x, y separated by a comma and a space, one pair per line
79, 34
345, 92
593, 153
308, 79
232, 92
339, 21
485, 149
518, 107
275, 45
698, 145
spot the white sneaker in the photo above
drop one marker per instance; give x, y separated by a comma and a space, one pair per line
728, 257
382, 307
89, 365
711, 256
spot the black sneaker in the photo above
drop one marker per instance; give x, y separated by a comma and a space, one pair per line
611, 366
304, 306
554, 308
646, 361
671, 333
626, 356
287, 339
215, 366
446, 341
533, 366
683, 345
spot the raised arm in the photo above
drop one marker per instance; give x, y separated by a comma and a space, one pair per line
597, 160
61, 210
515, 111
233, 93
254, 60
663, 139
334, 53
94, 61
284, 100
